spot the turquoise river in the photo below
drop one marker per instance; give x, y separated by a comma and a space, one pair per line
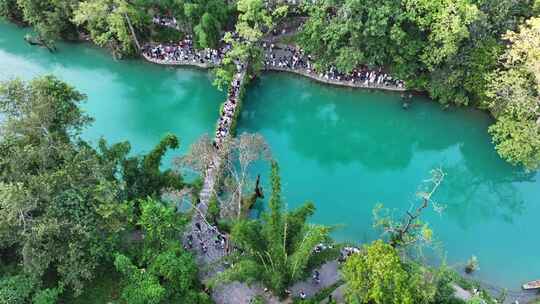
343, 149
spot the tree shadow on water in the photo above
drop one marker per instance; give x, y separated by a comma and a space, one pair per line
336, 126
473, 196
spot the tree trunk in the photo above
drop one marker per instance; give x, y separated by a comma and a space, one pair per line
132, 32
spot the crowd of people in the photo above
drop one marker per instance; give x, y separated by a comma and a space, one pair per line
207, 239
165, 21
290, 58
321, 247
227, 114
347, 252
183, 52
276, 58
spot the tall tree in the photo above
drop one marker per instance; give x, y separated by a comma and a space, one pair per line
142, 174
254, 20
445, 22
57, 198
411, 36
513, 94
278, 247
239, 156
463, 78
108, 22
207, 32
349, 33
377, 275
206, 19
410, 229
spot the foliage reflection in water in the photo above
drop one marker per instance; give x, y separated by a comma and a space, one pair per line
348, 150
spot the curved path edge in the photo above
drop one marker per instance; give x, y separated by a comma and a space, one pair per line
350, 84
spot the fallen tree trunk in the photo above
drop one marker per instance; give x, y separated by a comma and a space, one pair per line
38, 42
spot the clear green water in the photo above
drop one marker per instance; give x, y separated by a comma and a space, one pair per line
130, 100
345, 150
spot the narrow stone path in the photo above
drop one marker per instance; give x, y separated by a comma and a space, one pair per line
461, 293
278, 58
328, 275
204, 240
241, 293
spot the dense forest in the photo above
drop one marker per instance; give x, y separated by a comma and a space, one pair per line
68, 210
92, 224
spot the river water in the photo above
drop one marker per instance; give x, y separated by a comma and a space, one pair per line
343, 149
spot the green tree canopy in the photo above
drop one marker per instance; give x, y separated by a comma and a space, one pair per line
377, 275
10, 10
15, 289
513, 96
140, 286
207, 19
412, 36
54, 188
51, 19
207, 32
142, 174
278, 247
62, 208
106, 21
160, 271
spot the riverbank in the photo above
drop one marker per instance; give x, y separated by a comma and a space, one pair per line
277, 57
343, 83
179, 63
313, 76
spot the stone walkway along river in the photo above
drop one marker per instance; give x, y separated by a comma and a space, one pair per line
298, 71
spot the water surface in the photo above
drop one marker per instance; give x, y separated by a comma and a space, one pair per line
343, 149
130, 100
347, 150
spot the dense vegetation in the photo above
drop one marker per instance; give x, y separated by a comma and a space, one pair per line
159, 270
72, 216
278, 248
479, 52
115, 23
68, 211
378, 275
71, 213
